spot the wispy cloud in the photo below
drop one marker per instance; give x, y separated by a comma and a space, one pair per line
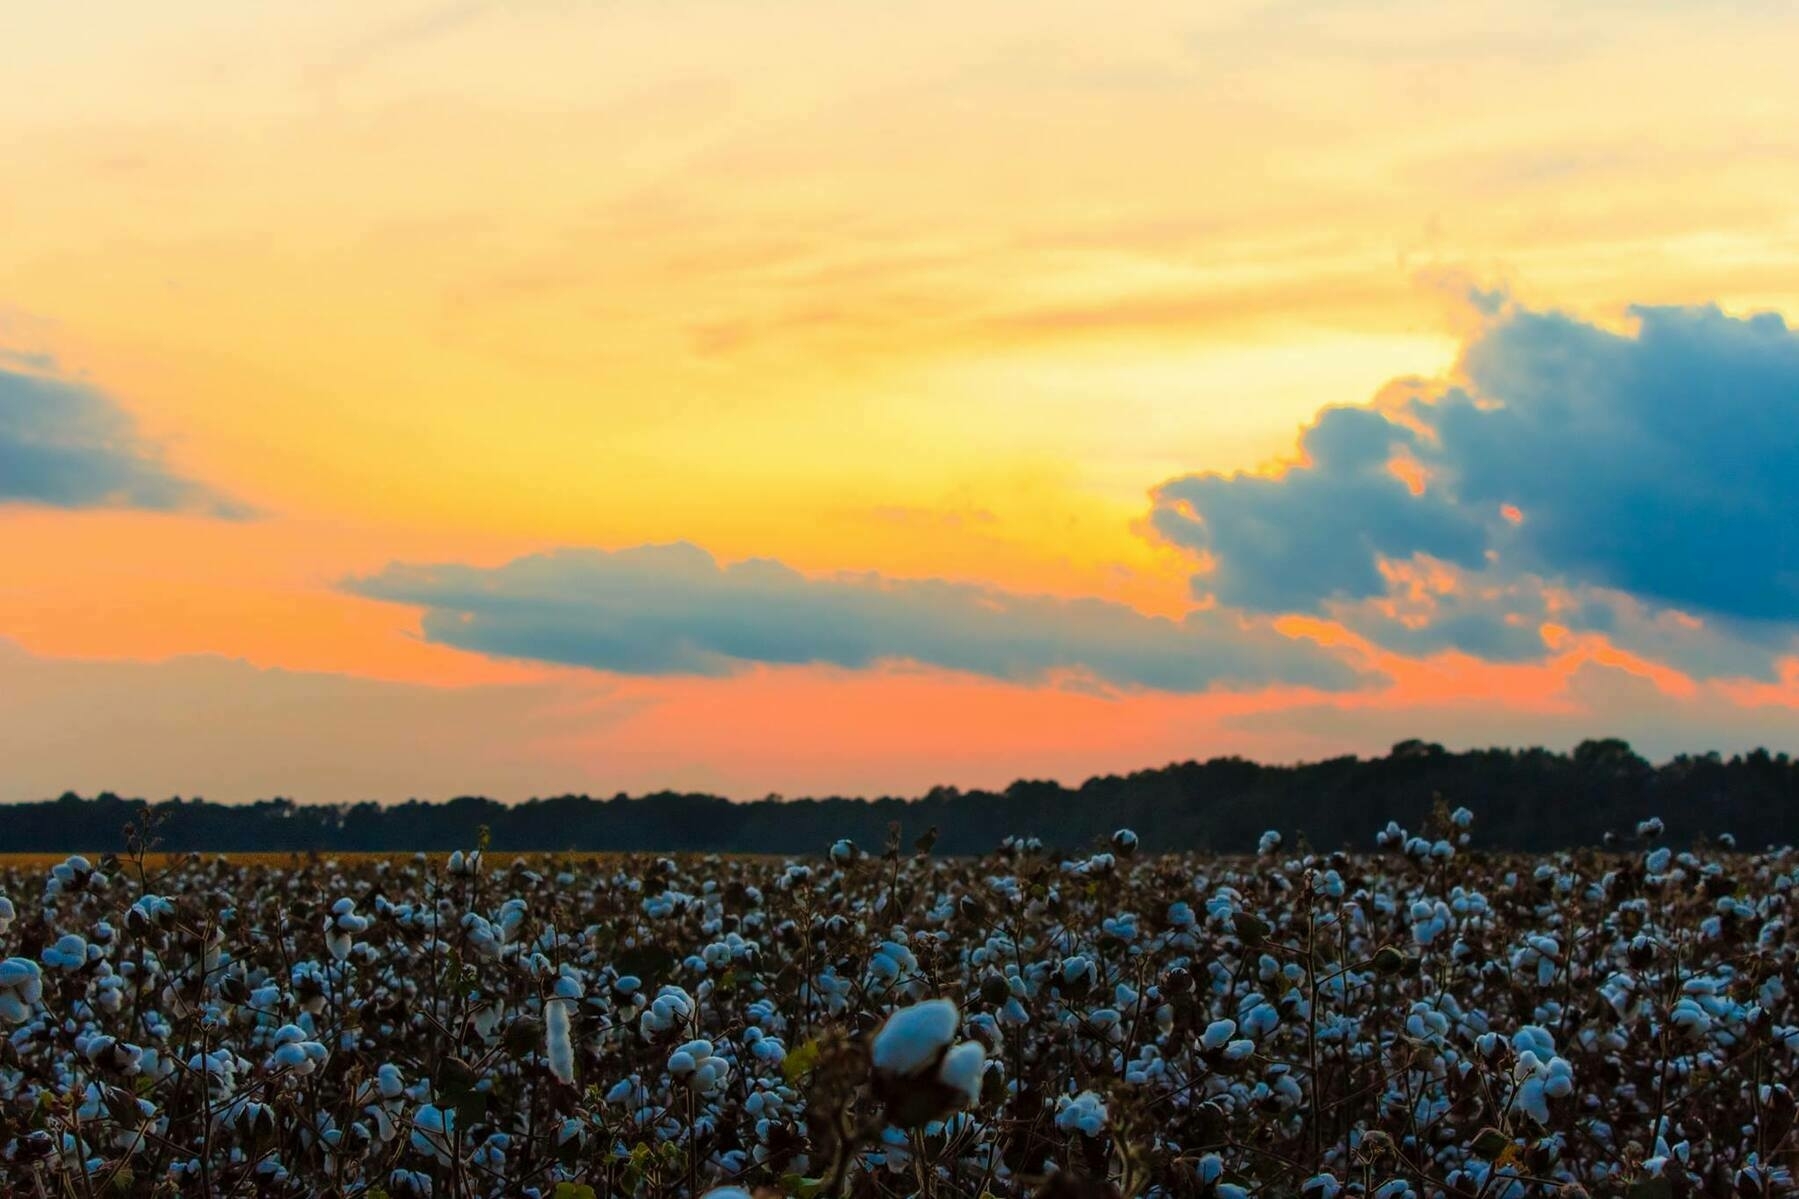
66, 444
673, 609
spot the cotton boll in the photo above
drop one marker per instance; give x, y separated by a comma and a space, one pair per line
464, 865
1218, 1034
1084, 1113
913, 1037
69, 953
1689, 1019
433, 1130
409, 1184
558, 1048
697, 1066
961, 1070
21, 986
1534, 1039
672, 1008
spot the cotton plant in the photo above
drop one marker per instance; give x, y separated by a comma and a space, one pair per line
751, 1022
920, 1067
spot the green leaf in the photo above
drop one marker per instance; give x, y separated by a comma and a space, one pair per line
800, 1062
572, 1190
1490, 1143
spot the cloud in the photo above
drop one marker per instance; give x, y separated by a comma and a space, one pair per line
673, 609
1659, 465
66, 445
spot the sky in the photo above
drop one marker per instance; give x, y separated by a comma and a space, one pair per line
520, 398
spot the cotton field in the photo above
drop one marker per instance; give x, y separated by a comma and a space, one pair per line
1408, 1020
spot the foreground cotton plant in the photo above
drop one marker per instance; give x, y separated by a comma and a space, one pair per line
920, 1068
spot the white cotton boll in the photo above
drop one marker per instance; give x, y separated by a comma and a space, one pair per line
390, 1081
1084, 1113
843, 851
1656, 862
699, 1067
1462, 818
1650, 828
1209, 1168
1689, 1019
21, 986
913, 1037
961, 1070
1533, 1101
558, 1047
727, 1193
7, 913
1078, 972
890, 964
433, 1130
1260, 1020
1240, 1050
1535, 1039
1218, 1034
69, 953
1270, 841
671, 1008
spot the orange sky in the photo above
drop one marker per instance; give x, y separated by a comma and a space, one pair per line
934, 291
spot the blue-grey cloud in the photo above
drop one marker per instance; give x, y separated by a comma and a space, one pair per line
67, 445
1499, 620
1662, 464
673, 609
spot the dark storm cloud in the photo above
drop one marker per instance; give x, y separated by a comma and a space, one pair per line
1662, 464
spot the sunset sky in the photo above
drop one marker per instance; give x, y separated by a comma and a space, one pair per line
418, 399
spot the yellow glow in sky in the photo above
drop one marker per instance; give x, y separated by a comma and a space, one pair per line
932, 289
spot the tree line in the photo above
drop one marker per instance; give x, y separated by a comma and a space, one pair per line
1527, 799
